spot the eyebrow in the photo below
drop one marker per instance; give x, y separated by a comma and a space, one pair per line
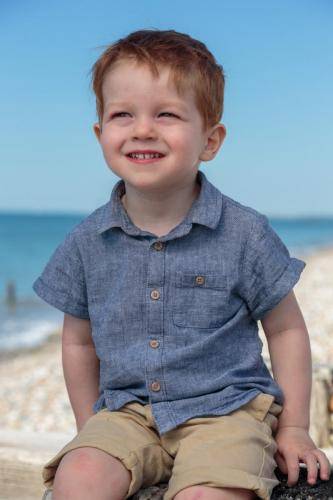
123, 104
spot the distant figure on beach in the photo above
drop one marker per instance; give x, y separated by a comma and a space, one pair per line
10, 298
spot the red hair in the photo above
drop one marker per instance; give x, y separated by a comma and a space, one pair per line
192, 67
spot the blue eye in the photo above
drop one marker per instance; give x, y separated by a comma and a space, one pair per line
170, 114
122, 114
119, 114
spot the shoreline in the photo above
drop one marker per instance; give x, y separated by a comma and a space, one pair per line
51, 339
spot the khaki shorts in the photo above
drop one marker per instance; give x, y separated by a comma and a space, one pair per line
235, 450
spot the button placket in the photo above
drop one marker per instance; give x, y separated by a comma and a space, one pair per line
155, 303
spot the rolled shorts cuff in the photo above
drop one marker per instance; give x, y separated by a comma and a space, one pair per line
130, 462
51, 466
226, 478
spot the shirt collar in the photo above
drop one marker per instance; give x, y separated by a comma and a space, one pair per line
206, 209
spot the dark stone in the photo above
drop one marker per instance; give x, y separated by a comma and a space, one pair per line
152, 493
322, 490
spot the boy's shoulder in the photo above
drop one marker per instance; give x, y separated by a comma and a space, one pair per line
238, 207
242, 217
91, 223
88, 227
227, 213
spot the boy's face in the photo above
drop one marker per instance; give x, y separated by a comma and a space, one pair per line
144, 114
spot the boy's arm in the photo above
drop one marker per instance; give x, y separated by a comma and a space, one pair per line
80, 366
290, 353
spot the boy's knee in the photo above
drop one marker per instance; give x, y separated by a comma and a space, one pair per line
76, 463
89, 469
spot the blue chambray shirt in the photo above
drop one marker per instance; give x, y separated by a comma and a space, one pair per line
174, 318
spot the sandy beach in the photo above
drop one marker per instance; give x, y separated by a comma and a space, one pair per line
33, 394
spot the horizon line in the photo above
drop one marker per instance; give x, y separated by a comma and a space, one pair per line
55, 213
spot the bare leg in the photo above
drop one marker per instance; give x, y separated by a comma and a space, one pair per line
87, 473
208, 493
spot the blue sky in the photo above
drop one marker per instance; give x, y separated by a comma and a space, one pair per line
277, 56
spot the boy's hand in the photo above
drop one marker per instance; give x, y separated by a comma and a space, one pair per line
294, 446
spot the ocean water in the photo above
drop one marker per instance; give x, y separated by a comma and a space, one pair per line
28, 240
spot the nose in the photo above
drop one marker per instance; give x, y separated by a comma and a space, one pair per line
143, 128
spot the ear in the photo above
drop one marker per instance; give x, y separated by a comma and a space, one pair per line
98, 131
214, 140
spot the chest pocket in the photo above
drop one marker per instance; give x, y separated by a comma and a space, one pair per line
199, 299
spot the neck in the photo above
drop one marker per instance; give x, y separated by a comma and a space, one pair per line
160, 210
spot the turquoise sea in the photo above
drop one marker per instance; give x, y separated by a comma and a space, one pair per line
28, 240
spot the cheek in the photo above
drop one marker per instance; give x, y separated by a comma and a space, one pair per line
110, 141
182, 142
190, 148
107, 149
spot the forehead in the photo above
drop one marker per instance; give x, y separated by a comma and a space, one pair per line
132, 78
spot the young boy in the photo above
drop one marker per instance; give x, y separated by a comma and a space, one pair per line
162, 288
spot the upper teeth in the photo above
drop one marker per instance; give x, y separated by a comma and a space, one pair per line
145, 156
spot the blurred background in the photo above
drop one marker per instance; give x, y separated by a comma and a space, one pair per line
277, 57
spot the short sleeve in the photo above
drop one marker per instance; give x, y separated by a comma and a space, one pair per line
62, 282
268, 271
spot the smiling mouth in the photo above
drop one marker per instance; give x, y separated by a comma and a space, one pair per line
145, 156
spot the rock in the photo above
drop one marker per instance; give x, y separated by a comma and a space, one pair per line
322, 490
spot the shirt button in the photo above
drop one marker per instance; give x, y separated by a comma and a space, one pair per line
154, 343
155, 386
158, 245
155, 294
199, 280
